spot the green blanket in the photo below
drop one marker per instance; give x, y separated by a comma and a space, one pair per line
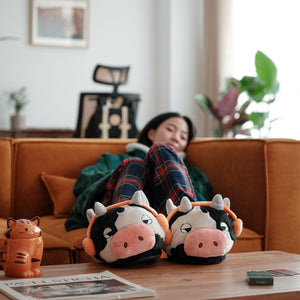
91, 184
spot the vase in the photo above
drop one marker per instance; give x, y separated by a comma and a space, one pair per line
17, 122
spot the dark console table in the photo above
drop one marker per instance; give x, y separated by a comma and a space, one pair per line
37, 133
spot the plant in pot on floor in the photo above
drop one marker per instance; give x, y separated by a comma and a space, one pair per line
18, 99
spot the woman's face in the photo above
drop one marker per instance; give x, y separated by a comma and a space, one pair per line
173, 131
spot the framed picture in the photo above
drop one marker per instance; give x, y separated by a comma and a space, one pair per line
62, 23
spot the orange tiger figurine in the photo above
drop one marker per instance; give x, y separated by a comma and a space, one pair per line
23, 248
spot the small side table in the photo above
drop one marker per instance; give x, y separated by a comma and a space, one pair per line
37, 133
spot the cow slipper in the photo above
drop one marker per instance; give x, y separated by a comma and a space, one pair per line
126, 232
201, 232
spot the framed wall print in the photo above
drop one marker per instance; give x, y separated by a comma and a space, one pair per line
62, 23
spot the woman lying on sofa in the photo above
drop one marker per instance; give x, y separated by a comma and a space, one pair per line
155, 164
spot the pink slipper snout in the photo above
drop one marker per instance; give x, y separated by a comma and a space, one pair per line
205, 242
132, 240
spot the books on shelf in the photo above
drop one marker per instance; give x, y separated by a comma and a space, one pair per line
104, 285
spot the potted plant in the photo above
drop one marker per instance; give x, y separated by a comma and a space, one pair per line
18, 99
244, 116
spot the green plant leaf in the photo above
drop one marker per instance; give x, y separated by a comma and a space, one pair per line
271, 101
254, 87
274, 89
265, 69
205, 103
18, 99
258, 119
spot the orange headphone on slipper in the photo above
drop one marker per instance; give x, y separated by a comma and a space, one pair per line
88, 243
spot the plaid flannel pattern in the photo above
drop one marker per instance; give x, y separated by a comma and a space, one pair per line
161, 175
127, 179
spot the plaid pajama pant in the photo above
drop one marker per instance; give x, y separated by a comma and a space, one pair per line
161, 175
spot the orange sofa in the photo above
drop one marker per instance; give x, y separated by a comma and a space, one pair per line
260, 176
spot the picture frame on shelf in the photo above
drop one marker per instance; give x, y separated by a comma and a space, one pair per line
60, 23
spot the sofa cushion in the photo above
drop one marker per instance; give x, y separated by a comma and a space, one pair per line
56, 227
248, 241
60, 190
56, 250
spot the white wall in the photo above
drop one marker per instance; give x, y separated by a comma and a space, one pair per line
271, 26
142, 34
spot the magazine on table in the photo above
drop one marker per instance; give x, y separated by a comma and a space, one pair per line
104, 285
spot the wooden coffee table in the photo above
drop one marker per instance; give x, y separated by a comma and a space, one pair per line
226, 280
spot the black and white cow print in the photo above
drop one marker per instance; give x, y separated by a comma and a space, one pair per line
201, 232
126, 232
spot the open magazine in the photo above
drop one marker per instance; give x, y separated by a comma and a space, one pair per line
105, 285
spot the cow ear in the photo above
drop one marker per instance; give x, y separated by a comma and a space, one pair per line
90, 214
217, 202
139, 198
170, 206
226, 202
100, 209
185, 205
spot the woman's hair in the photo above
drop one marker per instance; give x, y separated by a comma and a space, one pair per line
155, 122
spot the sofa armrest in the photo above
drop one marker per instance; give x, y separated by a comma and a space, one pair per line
283, 199
6, 152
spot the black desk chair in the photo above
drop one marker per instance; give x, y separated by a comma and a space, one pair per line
108, 115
